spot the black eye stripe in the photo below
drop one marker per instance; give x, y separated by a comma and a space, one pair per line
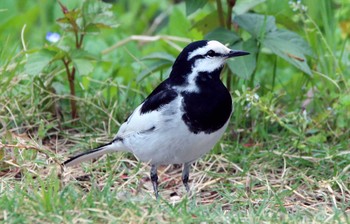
212, 53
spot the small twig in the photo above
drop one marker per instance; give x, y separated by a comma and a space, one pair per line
158, 20
313, 159
329, 188
309, 158
22, 39
297, 193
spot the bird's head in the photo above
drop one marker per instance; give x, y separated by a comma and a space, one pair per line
204, 56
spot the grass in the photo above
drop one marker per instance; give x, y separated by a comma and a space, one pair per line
264, 186
275, 163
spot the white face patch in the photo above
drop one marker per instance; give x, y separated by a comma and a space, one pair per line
206, 64
214, 45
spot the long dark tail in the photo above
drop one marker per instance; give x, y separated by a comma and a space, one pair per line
113, 146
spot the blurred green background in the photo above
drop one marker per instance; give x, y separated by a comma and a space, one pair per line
291, 99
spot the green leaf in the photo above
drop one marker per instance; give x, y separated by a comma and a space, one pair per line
246, 5
178, 17
38, 61
160, 56
344, 100
194, 5
289, 46
82, 60
255, 24
59, 52
208, 23
223, 35
156, 66
163, 60
244, 66
69, 17
284, 43
59, 88
96, 27
82, 54
83, 66
97, 15
69, 20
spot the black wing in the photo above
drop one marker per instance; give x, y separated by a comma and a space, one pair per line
161, 96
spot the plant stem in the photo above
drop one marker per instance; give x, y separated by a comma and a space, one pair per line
220, 13
72, 92
230, 5
274, 74
228, 79
80, 41
255, 69
76, 39
71, 77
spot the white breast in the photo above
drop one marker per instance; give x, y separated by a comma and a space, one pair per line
170, 141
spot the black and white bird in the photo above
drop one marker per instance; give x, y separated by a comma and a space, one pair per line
183, 118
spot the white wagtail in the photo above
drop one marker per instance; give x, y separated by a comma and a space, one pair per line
183, 118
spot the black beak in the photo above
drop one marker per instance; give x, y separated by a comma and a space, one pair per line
236, 53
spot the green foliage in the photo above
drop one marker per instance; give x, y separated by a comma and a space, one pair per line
285, 151
286, 44
194, 5
38, 61
77, 23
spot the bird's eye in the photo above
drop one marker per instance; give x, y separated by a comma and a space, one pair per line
211, 53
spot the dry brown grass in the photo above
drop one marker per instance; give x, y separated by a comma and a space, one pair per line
272, 186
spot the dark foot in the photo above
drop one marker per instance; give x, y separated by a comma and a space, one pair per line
154, 179
186, 175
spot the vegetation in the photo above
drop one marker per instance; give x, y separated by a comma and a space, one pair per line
72, 71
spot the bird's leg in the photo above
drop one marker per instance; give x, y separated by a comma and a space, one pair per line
186, 175
154, 179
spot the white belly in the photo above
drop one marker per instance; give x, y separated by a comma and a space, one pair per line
170, 142
172, 146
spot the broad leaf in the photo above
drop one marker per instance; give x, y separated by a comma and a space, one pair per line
286, 44
38, 61
289, 46
97, 15
194, 5
223, 35
208, 23
83, 66
82, 54
244, 6
244, 66
95, 28
255, 24
59, 52
179, 24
